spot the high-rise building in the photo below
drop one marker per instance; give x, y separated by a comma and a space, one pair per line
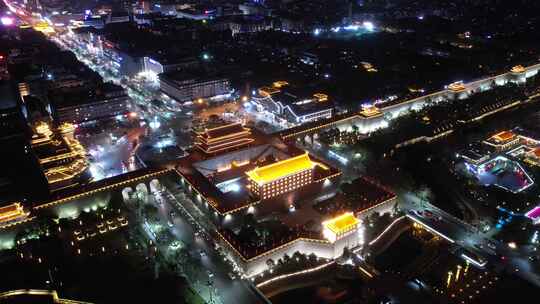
77, 105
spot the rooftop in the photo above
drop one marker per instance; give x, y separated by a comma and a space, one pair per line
533, 213
68, 97
193, 75
11, 212
224, 131
536, 152
281, 169
503, 136
342, 223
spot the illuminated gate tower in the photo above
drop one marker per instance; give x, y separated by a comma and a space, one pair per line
281, 177
343, 231
223, 138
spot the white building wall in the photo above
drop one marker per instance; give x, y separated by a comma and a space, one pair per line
320, 248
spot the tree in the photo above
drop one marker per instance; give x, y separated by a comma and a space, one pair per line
346, 253
151, 212
286, 258
395, 208
355, 129
297, 255
270, 263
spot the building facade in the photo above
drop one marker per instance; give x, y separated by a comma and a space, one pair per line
281, 177
223, 138
185, 88
78, 108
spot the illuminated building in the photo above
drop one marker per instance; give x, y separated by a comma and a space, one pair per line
163, 63
81, 104
339, 227
24, 89
370, 111
61, 157
291, 106
533, 157
185, 87
196, 13
238, 24
12, 212
223, 138
260, 180
476, 153
4, 73
457, 90
534, 215
502, 140
518, 69
457, 87
281, 177
35, 296
43, 27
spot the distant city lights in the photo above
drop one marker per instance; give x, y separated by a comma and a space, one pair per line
368, 25
351, 27
155, 124
7, 21
166, 142
235, 187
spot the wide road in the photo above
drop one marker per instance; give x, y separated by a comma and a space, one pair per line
498, 254
190, 231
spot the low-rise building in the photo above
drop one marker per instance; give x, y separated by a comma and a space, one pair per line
281, 177
223, 138
158, 64
291, 107
185, 87
61, 157
11, 213
503, 140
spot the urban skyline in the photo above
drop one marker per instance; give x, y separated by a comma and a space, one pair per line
376, 151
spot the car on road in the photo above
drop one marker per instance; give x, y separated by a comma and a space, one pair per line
210, 274
170, 224
172, 214
412, 212
202, 253
492, 245
231, 276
